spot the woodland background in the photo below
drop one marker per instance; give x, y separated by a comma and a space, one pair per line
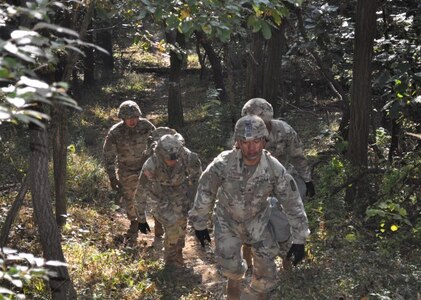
345, 74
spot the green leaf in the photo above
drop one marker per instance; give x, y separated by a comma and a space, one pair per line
266, 31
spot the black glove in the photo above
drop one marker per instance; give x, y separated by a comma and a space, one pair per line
310, 192
297, 251
144, 228
115, 184
203, 235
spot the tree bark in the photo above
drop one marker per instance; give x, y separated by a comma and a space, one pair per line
215, 62
272, 68
361, 100
175, 106
361, 82
12, 213
61, 286
255, 60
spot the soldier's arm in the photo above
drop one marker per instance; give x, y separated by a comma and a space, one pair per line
296, 155
207, 189
286, 192
109, 150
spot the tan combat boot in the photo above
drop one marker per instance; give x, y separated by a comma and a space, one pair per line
132, 232
233, 289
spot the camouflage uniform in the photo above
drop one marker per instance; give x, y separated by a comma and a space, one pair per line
124, 156
283, 142
242, 212
168, 192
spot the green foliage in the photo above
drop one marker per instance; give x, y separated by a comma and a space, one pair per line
27, 50
84, 171
398, 207
20, 271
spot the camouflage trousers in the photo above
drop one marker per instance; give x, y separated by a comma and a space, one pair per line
174, 241
230, 259
129, 182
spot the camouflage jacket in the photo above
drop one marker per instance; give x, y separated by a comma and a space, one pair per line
243, 203
124, 147
284, 144
169, 191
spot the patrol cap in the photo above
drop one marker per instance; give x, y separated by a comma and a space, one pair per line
169, 147
259, 107
250, 127
129, 109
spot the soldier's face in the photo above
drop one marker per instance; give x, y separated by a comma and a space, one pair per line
252, 150
132, 122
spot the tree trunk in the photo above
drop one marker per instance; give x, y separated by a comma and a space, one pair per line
215, 62
361, 99
105, 40
361, 82
272, 67
59, 119
88, 62
255, 59
12, 213
61, 285
175, 106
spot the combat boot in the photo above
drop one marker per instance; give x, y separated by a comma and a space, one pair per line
233, 289
158, 230
132, 232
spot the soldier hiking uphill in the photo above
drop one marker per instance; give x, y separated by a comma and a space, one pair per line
124, 154
169, 180
236, 185
284, 144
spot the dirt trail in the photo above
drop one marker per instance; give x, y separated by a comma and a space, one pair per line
198, 260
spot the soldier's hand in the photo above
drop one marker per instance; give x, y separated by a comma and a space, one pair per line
203, 235
310, 191
115, 184
296, 253
144, 228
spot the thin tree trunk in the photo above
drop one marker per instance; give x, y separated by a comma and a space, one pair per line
272, 68
215, 62
175, 106
255, 59
61, 285
361, 99
12, 213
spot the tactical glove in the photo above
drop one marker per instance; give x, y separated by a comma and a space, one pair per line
297, 252
203, 235
310, 192
115, 184
144, 228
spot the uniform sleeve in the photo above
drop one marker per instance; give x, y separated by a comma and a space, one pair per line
296, 155
194, 170
287, 192
149, 193
109, 150
204, 201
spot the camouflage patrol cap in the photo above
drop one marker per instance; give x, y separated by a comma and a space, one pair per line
259, 107
250, 127
169, 147
129, 109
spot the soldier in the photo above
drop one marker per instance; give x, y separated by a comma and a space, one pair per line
241, 180
124, 154
283, 143
171, 176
